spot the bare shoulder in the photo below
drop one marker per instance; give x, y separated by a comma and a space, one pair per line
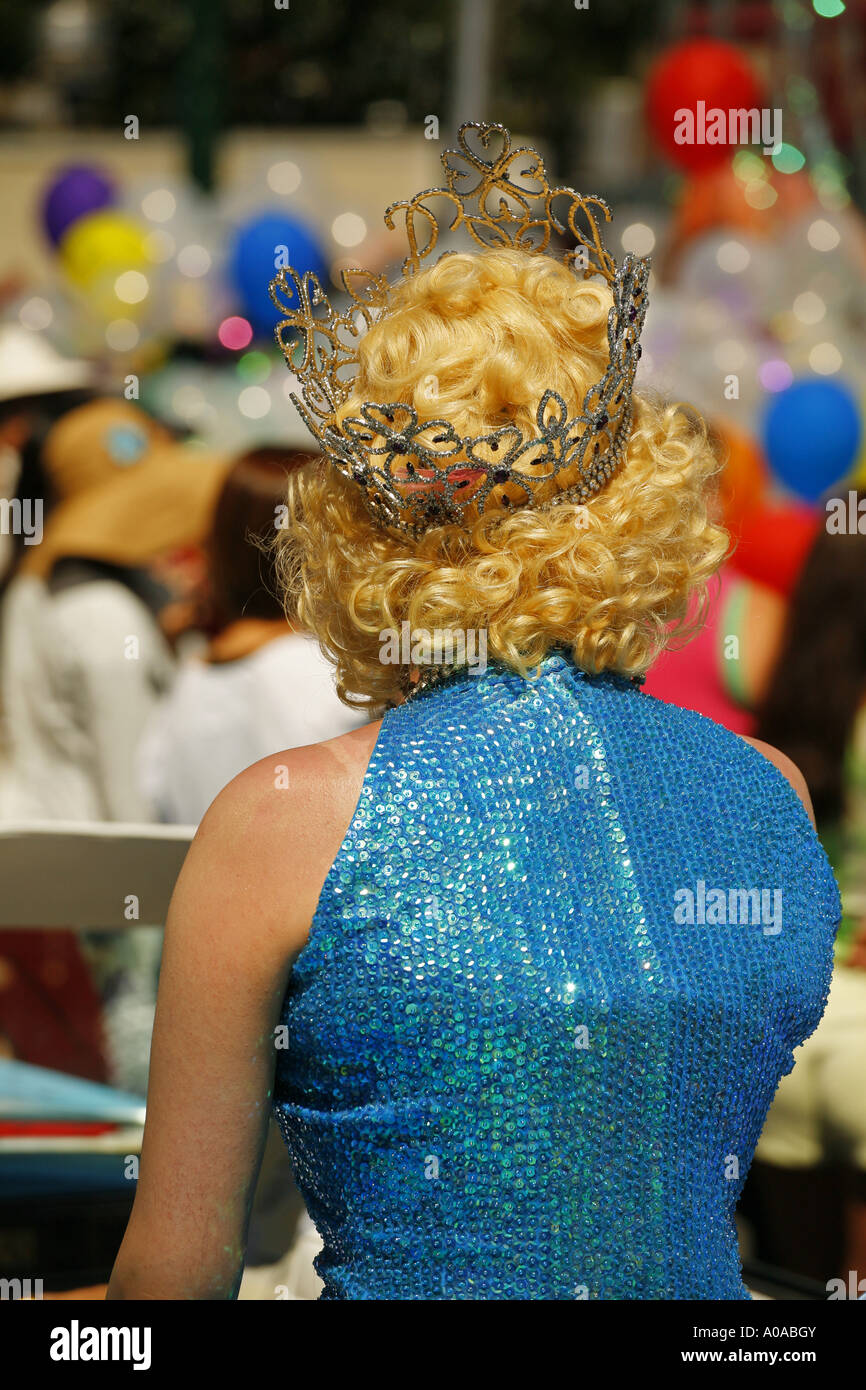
317, 778
265, 846
788, 769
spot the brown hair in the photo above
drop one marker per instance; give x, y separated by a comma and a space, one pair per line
241, 578
820, 675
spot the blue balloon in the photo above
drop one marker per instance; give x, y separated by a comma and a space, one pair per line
261, 246
812, 436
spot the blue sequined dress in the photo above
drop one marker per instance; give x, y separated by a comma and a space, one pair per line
555, 974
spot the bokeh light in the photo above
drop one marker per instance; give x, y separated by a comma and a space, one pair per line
35, 313
193, 260
188, 402
729, 355
825, 359
775, 374
733, 257
823, 236
638, 239
254, 367
760, 194
829, 180
348, 229
159, 246
748, 166
803, 95
235, 332
254, 402
159, 206
284, 177
809, 307
131, 287
789, 160
122, 335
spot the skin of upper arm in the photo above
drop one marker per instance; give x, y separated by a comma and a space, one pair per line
240, 911
788, 769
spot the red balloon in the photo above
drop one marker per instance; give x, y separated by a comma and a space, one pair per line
699, 70
774, 543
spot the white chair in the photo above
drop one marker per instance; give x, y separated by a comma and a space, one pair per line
92, 874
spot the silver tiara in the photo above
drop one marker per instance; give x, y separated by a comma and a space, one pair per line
417, 473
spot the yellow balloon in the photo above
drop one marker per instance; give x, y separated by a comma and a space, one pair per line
100, 244
858, 478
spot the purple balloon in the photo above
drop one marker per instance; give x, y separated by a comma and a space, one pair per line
73, 193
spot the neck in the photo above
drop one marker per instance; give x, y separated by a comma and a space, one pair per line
245, 636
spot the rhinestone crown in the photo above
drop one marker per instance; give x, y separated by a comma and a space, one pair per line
416, 473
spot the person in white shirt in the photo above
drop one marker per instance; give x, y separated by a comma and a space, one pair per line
261, 684
83, 660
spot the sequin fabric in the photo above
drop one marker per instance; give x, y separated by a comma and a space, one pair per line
515, 1069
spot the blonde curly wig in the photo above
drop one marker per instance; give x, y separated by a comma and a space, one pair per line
477, 339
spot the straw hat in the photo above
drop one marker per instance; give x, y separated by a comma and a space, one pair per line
126, 490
